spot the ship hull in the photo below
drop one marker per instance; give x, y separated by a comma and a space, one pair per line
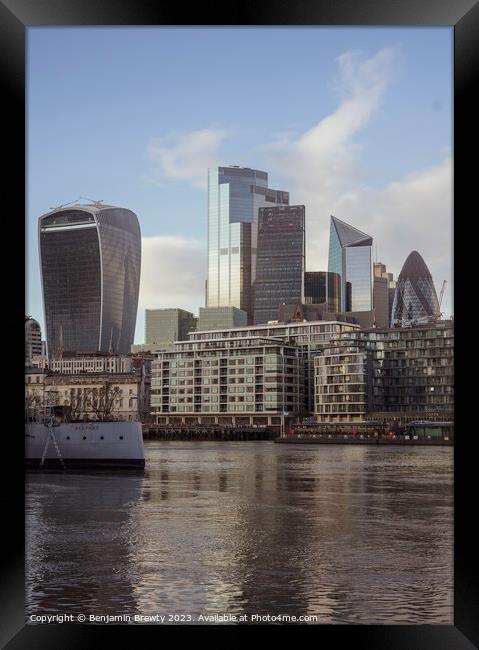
86, 444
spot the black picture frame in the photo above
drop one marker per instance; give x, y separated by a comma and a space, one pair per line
15, 17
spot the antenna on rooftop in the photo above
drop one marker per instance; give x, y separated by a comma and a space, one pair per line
92, 200
57, 207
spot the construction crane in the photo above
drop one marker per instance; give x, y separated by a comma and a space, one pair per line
442, 293
431, 319
441, 296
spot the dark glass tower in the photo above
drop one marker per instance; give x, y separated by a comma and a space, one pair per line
350, 255
279, 260
90, 257
322, 287
415, 297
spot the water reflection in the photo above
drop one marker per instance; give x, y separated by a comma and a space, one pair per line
350, 534
79, 542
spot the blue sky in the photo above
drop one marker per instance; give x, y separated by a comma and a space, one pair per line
354, 122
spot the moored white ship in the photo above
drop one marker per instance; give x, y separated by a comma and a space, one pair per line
84, 444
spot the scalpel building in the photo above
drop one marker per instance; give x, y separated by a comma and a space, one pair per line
350, 256
90, 257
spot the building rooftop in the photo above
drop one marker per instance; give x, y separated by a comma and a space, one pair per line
243, 328
265, 339
350, 236
90, 207
414, 267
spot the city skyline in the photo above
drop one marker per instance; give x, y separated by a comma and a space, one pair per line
369, 94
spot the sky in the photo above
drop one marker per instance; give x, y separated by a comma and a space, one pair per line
353, 122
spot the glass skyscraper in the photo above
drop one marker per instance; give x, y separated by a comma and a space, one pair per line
415, 298
350, 255
322, 288
234, 196
90, 257
279, 260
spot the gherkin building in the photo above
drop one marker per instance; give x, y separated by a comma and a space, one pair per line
415, 298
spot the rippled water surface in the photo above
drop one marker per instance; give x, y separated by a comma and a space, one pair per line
349, 534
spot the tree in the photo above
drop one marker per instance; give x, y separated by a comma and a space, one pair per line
75, 404
33, 401
102, 401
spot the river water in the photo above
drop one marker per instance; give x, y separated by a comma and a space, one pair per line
347, 534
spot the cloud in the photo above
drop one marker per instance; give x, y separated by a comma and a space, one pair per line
414, 213
323, 157
185, 157
323, 169
173, 272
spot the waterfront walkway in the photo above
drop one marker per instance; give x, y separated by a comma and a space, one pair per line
332, 439
208, 433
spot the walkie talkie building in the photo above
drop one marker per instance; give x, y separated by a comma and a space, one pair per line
90, 258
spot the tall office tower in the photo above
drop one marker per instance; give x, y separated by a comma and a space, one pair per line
323, 288
279, 260
90, 258
415, 298
350, 253
33, 339
234, 196
383, 283
164, 326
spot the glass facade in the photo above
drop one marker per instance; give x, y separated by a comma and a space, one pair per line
323, 287
350, 255
246, 371
234, 196
341, 383
415, 297
358, 273
246, 377
164, 326
405, 371
279, 260
213, 318
90, 259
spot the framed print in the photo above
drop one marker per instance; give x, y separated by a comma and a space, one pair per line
245, 242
